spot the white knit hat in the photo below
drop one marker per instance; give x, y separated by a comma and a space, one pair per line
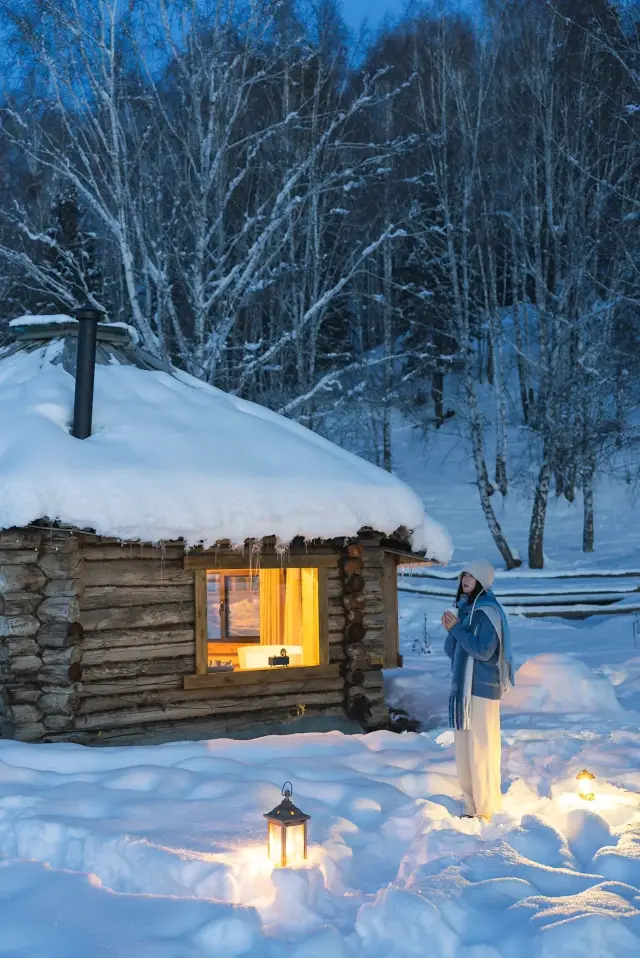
482, 570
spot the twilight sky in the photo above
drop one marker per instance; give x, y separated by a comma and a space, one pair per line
374, 10
355, 11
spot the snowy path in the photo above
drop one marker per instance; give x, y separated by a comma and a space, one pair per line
161, 849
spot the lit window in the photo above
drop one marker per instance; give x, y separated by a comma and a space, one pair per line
262, 619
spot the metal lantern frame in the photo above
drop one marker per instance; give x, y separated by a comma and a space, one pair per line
284, 818
584, 780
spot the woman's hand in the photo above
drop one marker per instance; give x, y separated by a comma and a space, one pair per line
449, 620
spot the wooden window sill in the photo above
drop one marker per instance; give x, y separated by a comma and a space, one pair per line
296, 673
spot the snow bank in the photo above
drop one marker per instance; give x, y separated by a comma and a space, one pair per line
554, 682
161, 851
171, 457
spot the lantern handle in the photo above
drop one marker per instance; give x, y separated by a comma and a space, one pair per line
287, 792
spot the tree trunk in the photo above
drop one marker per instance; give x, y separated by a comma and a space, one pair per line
485, 488
389, 351
588, 543
539, 515
570, 479
559, 480
437, 395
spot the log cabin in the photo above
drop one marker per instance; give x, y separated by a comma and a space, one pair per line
179, 563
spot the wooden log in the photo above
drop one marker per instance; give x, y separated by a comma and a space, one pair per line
134, 653
59, 608
372, 587
212, 699
335, 605
25, 714
136, 572
26, 665
32, 732
198, 709
19, 646
22, 696
123, 670
110, 596
21, 578
71, 587
60, 565
57, 723
20, 540
354, 615
102, 551
19, 603
374, 621
177, 731
355, 550
59, 674
356, 655
59, 635
354, 600
336, 638
373, 683
357, 707
355, 677
127, 639
352, 567
58, 703
138, 617
336, 653
355, 632
13, 557
337, 622
61, 656
335, 589
122, 687
18, 625
355, 583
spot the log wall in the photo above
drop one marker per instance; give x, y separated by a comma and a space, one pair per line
96, 638
40, 634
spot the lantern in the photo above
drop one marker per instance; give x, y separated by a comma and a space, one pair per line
585, 780
287, 832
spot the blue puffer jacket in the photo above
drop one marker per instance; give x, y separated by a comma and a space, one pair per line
481, 644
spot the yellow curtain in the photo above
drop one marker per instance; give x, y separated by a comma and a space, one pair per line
293, 608
310, 617
271, 595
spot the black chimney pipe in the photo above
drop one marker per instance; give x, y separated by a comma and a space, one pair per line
88, 319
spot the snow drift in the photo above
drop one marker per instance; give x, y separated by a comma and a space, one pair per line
560, 683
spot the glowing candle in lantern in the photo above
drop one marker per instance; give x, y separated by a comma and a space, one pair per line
287, 832
585, 780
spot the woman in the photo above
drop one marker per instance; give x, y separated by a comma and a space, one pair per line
479, 647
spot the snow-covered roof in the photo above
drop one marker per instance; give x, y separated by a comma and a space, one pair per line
171, 457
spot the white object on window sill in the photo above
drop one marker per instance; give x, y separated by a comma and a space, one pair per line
257, 656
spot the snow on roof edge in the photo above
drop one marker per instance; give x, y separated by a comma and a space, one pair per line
62, 319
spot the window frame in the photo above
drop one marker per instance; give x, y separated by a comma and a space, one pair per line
225, 638
201, 564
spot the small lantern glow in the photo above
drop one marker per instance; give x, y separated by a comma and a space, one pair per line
585, 780
287, 832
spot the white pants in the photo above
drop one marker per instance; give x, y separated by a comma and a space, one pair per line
478, 759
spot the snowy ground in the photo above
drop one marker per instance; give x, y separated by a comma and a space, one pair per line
160, 850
